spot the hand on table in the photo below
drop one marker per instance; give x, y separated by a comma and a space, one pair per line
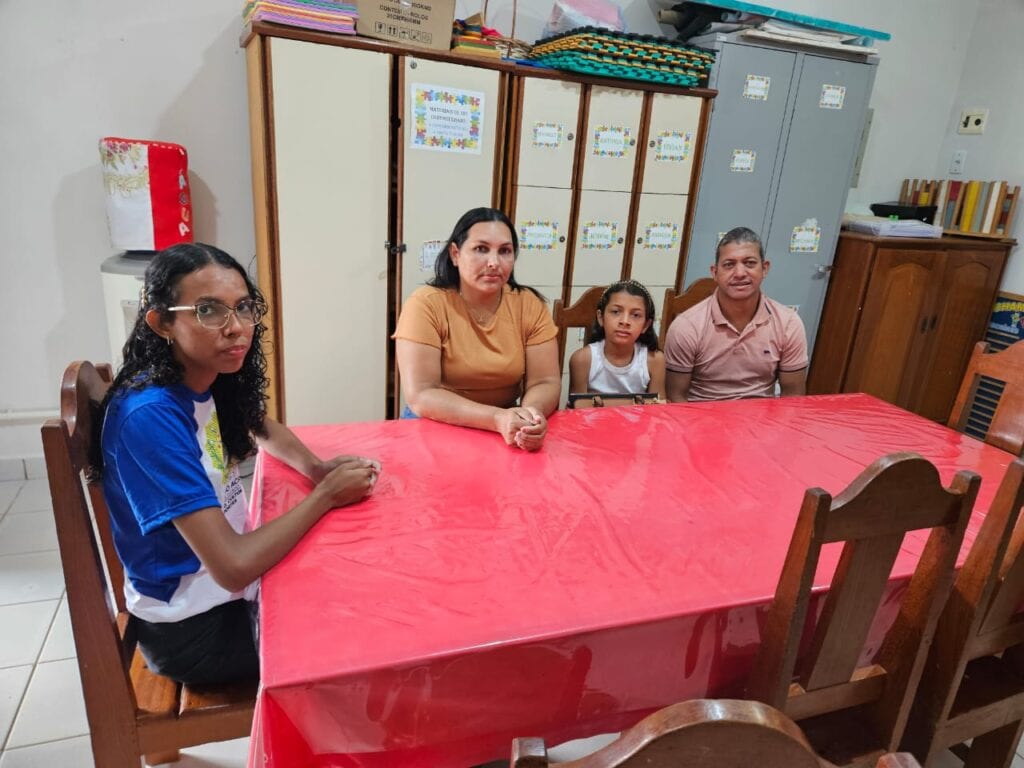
523, 426
346, 479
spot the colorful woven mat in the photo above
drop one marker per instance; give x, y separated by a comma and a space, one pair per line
595, 51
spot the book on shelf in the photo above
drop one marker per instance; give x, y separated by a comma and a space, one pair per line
973, 207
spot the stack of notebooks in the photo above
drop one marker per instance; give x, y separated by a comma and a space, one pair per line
978, 208
596, 51
472, 37
324, 15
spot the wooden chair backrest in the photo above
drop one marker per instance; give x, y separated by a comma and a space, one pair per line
131, 711
702, 733
102, 657
897, 494
677, 303
1006, 429
580, 315
582, 400
982, 617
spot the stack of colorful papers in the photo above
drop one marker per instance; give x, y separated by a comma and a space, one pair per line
472, 37
325, 15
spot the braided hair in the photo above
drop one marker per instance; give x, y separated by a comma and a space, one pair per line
634, 288
240, 397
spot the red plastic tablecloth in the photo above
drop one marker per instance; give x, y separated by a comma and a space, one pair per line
483, 593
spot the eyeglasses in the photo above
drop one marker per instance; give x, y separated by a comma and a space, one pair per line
215, 315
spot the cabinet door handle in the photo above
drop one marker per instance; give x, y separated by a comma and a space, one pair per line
931, 325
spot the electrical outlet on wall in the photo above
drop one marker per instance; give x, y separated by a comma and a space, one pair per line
972, 121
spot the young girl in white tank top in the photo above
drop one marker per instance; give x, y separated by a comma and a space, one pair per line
623, 356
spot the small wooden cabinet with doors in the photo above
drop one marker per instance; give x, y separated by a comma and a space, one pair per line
902, 315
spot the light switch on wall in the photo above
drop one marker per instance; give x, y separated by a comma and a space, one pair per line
956, 167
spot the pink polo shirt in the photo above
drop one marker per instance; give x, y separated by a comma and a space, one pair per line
727, 364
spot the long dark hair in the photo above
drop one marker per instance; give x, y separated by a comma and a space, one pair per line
632, 287
149, 360
446, 274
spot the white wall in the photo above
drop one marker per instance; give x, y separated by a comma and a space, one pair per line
992, 78
72, 72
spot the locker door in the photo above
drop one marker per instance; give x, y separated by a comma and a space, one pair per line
600, 237
542, 223
671, 140
659, 230
547, 141
733, 191
332, 214
828, 117
442, 177
613, 125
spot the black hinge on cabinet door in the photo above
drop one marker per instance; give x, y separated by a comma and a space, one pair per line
394, 250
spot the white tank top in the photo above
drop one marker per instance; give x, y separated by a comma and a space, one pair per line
611, 379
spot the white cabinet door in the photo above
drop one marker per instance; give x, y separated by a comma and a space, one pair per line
547, 132
659, 232
448, 155
671, 142
613, 128
331, 175
600, 237
542, 225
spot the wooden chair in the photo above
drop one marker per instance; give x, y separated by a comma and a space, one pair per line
973, 685
701, 734
131, 711
1006, 429
852, 713
579, 400
676, 304
580, 315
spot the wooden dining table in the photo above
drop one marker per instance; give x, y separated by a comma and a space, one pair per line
483, 593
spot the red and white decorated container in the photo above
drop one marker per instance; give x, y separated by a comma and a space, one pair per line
149, 204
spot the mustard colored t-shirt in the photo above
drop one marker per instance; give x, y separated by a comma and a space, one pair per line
486, 362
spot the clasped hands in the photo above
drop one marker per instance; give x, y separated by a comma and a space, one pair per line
522, 426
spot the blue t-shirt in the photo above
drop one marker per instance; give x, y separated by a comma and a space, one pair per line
163, 458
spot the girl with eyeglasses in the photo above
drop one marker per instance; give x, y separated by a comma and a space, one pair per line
185, 408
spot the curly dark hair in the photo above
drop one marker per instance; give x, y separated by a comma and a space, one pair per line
446, 274
648, 338
240, 397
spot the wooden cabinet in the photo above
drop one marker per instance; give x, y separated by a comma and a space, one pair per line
366, 153
901, 317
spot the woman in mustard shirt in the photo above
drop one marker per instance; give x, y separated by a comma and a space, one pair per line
474, 347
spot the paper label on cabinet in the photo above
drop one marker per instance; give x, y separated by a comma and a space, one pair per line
538, 235
610, 141
756, 87
673, 146
599, 235
661, 236
720, 236
743, 160
805, 239
429, 252
547, 135
446, 119
832, 96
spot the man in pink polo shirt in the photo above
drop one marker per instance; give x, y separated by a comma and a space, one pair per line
738, 342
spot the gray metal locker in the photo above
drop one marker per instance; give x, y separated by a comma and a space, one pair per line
802, 113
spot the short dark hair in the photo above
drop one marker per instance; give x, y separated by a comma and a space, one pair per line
446, 274
634, 288
740, 235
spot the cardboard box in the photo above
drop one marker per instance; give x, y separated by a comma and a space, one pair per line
418, 23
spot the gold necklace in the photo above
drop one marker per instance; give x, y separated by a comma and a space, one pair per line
480, 318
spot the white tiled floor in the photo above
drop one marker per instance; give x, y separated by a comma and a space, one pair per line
42, 713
